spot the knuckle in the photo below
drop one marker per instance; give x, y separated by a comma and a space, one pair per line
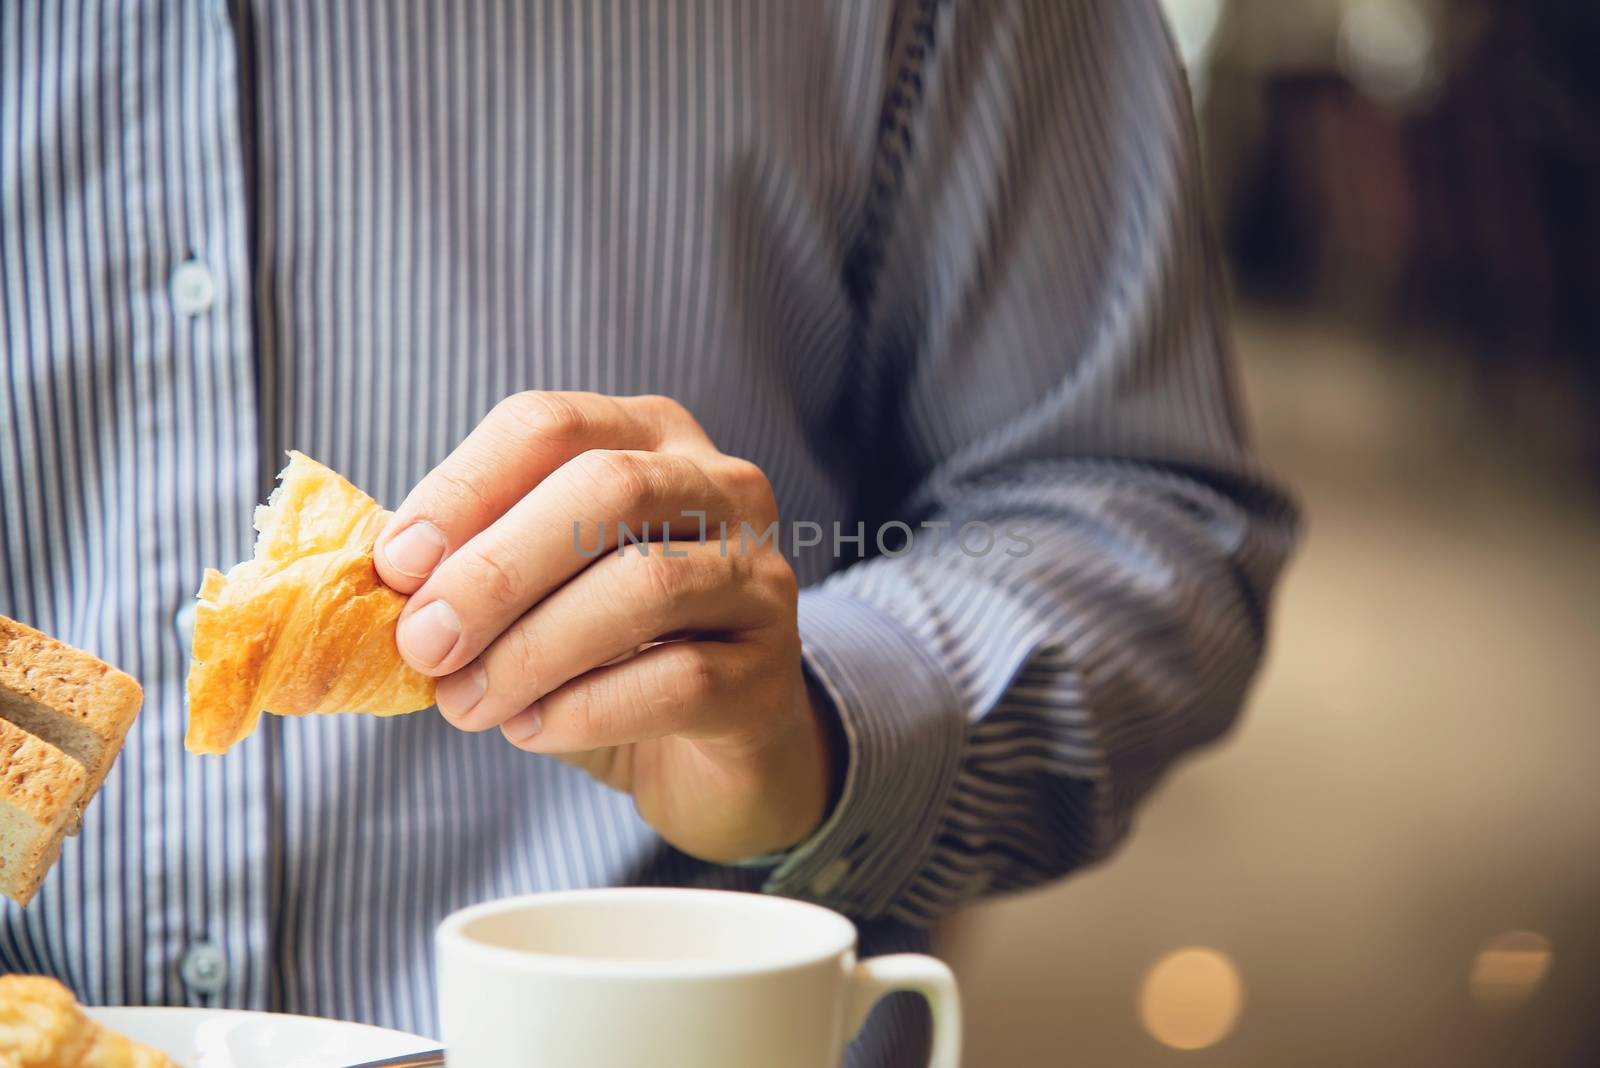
544, 415
670, 580
643, 696
749, 485
663, 582
460, 492
666, 409
526, 661
741, 569
594, 708
779, 577
579, 702
691, 674
766, 585
768, 580
743, 473
715, 574
623, 478
493, 576
712, 573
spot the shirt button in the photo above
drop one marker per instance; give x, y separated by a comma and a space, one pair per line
193, 288
831, 875
204, 969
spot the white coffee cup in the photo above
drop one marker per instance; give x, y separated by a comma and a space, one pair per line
668, 978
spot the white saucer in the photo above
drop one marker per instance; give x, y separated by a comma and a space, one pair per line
226, 1038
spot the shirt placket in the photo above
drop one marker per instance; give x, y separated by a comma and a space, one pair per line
204, 852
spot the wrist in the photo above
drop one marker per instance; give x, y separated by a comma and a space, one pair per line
809, 771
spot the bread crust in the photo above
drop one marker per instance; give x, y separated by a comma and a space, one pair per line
305, 626
41, 789
74, 700
63, 717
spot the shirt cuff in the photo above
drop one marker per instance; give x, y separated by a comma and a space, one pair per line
905, 731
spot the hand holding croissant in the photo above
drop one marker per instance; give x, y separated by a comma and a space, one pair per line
672, 675
675, 676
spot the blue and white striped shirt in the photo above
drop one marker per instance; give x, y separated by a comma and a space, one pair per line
922, 260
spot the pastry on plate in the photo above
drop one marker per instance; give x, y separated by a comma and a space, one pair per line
41, 1026
306, 626
63, 717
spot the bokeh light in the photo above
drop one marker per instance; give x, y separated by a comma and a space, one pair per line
1386, 48
1191, 998
1509, 970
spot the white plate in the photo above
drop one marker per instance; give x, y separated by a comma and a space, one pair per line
226, 1038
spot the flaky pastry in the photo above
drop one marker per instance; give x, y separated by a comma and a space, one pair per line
306, 626
41, 1026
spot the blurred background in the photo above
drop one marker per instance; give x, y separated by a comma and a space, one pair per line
1395, 858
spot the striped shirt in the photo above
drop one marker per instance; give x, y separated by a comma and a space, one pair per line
921, 260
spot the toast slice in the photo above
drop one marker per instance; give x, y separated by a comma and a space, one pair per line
63, 717
76, 702
41, 789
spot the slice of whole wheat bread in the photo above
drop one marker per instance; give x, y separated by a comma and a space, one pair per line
41, 789
67, 697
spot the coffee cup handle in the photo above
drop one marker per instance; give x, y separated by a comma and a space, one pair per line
877, 976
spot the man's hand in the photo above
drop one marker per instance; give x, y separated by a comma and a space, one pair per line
675, 677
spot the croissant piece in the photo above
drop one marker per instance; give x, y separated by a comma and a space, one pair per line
306, 626
42, 1026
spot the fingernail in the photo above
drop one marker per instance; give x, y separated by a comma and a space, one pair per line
523, 726
458, 694
416, 550
428, 635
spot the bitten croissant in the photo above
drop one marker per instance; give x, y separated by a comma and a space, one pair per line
306, 626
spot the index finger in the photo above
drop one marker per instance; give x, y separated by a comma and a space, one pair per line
516, 446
